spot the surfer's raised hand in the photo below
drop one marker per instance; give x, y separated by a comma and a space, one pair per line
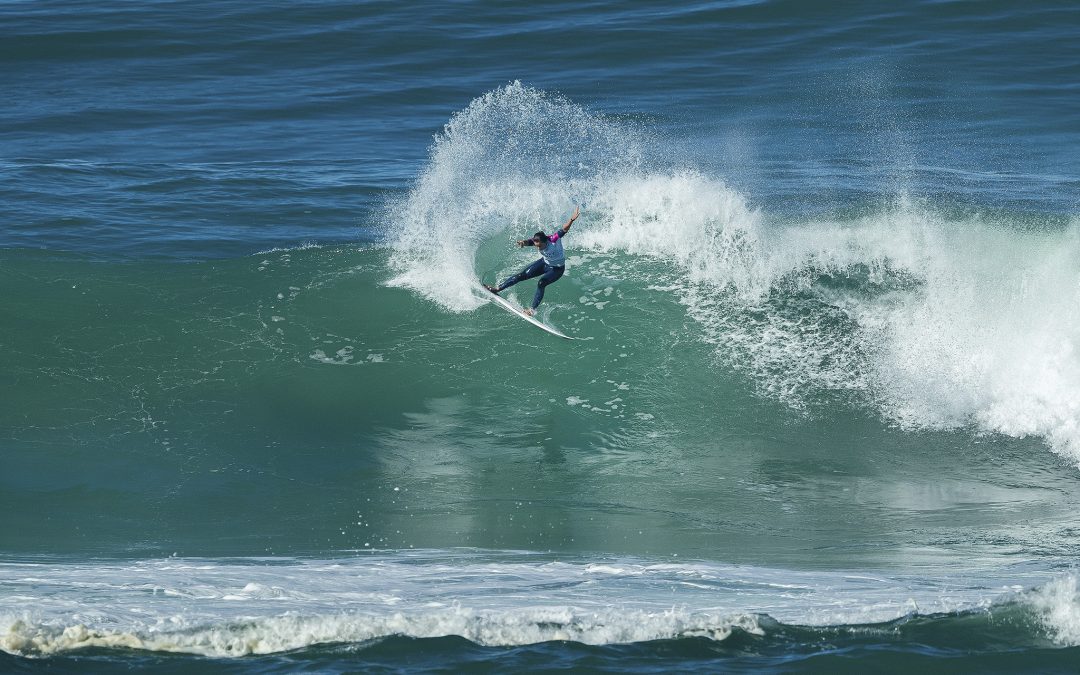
566, 227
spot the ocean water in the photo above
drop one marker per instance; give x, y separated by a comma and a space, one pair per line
822, 415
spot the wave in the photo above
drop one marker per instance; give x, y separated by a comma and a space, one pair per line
271, 635
237, 608
935, 321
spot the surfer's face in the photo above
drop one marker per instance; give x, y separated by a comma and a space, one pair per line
540, 243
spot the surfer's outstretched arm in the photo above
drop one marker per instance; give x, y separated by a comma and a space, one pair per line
566, 227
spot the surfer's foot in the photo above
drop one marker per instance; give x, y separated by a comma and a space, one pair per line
528, 312
492, 289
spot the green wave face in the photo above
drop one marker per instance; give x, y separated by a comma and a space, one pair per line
292, 402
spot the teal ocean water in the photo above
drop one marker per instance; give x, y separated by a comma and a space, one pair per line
823, 409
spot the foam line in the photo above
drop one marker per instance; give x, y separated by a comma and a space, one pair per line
243, 607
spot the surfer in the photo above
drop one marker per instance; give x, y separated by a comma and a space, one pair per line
549, 267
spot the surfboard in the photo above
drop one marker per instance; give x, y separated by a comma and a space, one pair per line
516, 311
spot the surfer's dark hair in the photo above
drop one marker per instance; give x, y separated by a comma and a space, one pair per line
540, 235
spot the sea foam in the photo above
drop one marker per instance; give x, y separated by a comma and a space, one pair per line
514, 161
935, 322
243, 607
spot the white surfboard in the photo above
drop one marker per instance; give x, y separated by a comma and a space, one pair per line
517, 311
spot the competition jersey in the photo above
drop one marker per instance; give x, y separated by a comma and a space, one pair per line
553, 253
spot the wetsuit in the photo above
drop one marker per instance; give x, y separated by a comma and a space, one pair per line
549, 268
